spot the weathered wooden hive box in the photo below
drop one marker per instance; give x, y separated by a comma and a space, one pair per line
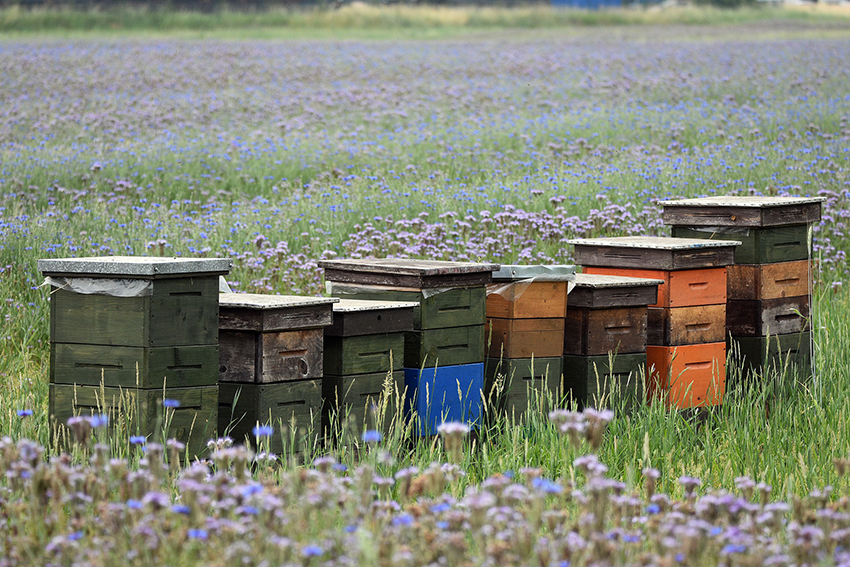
769, 286
606, 337
447, 341
271, 366
364, 365
144, 329
687, 324
526, 306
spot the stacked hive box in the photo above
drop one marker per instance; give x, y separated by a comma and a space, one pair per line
686, 347
364, 362
769, 287
127, 333
444, 354
270, 369
526, 306
605, 346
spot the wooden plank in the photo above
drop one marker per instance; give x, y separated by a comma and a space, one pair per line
516, 386
353, 404
687, 376
527, 300
742, 211
525, 338
757, 318
686, 325
444, 347
447, 308
769, 281
302, 317
760, 245
133, 367
140, 411
292, 355
421, 274
141, 267
445, 393
184, 311
654, 252
293, 409
760, 357
240, 357
590, 332
681, 288
353, 317
599, 291
605, 381
364, 354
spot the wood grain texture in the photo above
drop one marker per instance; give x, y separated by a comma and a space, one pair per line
686, 325
525, 338
769, 281
444, 347
681, 288
281, 319
364, 354
413, 281
515, 386
605, 381
353, 404
133, 367
779, 355
293, 409
371, 322
587, 294
741, 212
760, 245
421, 274
180, 312
590, 332
758, 318
194, 422
240, 357
527, 300
292, 355
652, 258
687, 376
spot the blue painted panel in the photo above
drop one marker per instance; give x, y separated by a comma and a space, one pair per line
445, 393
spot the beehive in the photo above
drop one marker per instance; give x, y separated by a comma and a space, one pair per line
145, 324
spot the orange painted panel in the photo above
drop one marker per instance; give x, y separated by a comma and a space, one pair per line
681, 288
527, 300
691, 376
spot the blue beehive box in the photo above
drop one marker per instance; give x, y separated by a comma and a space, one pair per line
445, 393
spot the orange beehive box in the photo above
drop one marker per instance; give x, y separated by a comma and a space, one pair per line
769, 281
690, 376
524, 338
681, 288
527, 299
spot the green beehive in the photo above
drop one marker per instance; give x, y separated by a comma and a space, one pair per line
145, 324
516, 386
605, 380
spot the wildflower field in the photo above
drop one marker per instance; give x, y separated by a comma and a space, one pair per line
497, 146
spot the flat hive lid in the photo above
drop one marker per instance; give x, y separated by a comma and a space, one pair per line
508, 273
742, 211
655, 242
399, 272
357, 305
654, 252
263, 302
147, 267
599, 281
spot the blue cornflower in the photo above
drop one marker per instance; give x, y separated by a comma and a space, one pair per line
350, 528
101, 420
138, 440
170, 403
312, 551
197, 533
547, 486
372, 436
403, 520
441, 507
653, 509
442, 525
733, 548
263, 431
180, 509
134, 504
75, 536
24, 412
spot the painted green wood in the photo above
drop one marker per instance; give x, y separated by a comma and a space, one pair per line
133, 367
518, 385
759, 245
437, 309
135, 411
180, 312
444, 347
364, 401
364, 354
293, 409
780, 354
593, 381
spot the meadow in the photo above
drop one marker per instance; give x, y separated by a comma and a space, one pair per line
496, 146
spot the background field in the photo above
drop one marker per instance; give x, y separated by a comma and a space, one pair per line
488, 142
